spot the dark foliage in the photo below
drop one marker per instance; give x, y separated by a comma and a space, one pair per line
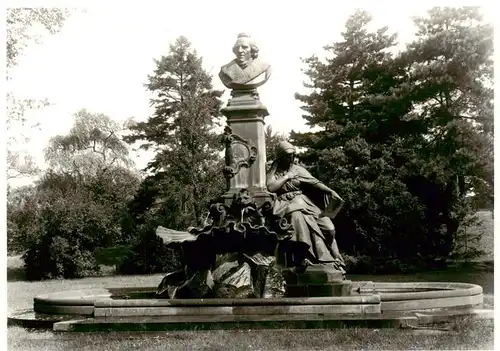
76, 207
186, 172
403, 138
149, 255
186, 169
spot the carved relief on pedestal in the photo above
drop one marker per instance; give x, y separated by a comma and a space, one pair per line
240, 152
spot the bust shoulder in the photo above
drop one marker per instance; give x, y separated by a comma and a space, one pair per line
256, 67
228, 66
260, 66
254, 74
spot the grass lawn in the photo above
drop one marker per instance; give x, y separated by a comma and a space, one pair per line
465, 335
468, 335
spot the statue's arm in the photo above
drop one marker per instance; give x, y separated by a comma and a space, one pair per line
274, 184
339, 201
322, 187
318, 184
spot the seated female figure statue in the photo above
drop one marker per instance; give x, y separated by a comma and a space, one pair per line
246, 72
299, 198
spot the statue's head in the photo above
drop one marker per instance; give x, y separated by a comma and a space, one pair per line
245, 49
286, 152
242, 199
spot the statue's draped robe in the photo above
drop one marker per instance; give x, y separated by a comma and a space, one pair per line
302, 203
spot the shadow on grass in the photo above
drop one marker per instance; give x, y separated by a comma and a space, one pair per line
16, 274
15, 268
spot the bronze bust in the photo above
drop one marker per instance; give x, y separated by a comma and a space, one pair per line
246, 71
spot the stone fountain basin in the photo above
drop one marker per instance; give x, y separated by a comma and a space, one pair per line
389, 296
399, 303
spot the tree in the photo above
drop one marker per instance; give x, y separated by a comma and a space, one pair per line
354, 105
20, 25
451, 79
23, 29
94, 155
381, 141
186, 165
272, 141
21, 208
68, 224
62, 223
92, 147
78, 205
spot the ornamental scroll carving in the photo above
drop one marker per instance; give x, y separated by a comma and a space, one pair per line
240, 152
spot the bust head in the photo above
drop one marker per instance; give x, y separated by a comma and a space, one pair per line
245, 50
245, 72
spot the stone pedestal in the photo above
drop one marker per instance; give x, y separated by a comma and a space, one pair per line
316, 281
245, 116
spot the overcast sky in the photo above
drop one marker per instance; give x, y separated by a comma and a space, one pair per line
101, 58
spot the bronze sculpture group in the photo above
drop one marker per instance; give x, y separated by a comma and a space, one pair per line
244, 248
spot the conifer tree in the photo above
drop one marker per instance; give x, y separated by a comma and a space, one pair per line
357, 107
180, 132
451, 84
403, 138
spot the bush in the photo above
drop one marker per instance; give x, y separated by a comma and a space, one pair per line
69, 224
69, 232
22, 218
62, 221
150, 255
57, 257
112, 256
372, 265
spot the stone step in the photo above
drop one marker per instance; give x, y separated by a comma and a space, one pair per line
215, 322
358, 309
